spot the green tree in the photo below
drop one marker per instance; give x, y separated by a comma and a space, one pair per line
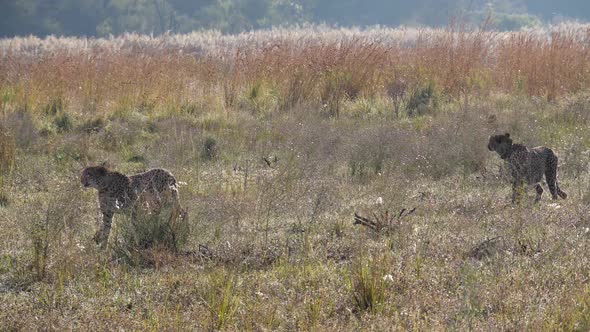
548, 9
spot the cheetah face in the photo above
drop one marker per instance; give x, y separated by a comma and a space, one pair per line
91, 176
500, 143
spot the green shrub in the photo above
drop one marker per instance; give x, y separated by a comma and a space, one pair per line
513, 22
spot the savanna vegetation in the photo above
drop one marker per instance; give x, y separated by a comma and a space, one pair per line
278, 138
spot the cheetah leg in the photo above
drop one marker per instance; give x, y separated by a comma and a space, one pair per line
551, 177
102, 234
560, 192
178, 211
539, 190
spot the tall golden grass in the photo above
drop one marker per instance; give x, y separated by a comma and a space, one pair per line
311, 65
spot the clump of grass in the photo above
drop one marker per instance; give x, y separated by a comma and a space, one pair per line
396, 90
221, 300
63, 123
368, 284
54, 107
337, 86
7, 152
40, 247
136, 158
142, 230
423, 100
93, 126
258, 99
372, 152
44, 225
3, 200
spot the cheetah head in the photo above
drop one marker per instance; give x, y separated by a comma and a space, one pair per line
92, 176
501, 144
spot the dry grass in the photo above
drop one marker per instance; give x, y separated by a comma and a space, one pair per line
279, 138
279, 69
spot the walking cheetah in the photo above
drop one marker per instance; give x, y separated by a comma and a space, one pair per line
527, 166
118, 193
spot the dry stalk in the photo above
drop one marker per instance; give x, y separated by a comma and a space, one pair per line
383, 222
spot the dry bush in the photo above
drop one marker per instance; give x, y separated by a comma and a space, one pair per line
49, 228
455, 144
141, 234
378, 150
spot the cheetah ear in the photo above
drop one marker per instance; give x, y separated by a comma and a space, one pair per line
102, 171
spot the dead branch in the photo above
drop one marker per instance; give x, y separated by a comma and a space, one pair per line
383, 221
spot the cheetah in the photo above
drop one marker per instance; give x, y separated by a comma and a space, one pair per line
119, 193
527, 166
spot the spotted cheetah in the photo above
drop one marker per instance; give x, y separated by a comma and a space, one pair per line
118, 193
527, 166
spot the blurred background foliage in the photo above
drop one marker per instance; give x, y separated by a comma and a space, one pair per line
105, 17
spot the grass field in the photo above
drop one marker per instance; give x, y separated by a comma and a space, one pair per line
279, 137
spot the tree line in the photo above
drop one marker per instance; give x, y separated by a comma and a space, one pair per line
106, 17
